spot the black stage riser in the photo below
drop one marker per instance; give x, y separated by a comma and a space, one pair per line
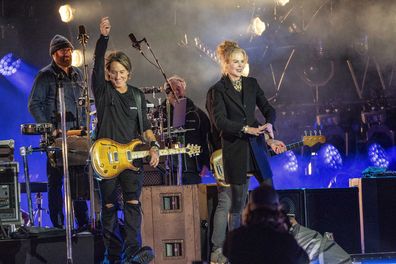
50, 250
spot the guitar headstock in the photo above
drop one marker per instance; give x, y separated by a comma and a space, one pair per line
313, 140
193, 150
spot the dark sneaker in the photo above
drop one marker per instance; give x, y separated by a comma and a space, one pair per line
143, 256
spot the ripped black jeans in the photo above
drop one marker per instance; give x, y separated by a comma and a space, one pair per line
128, 183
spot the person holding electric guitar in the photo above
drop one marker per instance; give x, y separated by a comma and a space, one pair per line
244, 149
122, 117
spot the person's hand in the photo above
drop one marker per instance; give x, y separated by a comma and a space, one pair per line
204, 171
269, 129
105, 26
276, 145
154, 157
255, 131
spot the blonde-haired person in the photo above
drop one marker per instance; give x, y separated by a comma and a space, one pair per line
244, 149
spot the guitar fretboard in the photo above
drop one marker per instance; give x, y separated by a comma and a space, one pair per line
162, 152
288, 147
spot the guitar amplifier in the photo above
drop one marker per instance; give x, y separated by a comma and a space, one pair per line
7, 150
9, 193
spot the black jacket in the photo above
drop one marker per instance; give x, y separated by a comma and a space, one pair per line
230, 114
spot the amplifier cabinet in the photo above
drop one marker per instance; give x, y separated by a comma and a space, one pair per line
327, 210
9, 193
173, 217
377, 199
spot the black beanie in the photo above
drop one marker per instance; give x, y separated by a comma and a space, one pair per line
59, 42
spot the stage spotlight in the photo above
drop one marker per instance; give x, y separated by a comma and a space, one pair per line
291, 165
257, 26
77, 58
66, 13
9, 65
282, 2
378, 156
330, 157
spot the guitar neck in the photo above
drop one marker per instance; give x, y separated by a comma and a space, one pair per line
288, 147
162, 152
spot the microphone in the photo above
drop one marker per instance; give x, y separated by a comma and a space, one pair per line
82, 34
81, 30
135, 42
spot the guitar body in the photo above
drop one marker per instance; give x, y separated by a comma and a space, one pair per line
110, 158
216, 160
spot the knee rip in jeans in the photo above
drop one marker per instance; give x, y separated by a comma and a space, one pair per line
133, 202
109, 205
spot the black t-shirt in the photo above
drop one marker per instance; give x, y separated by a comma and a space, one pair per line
117, 112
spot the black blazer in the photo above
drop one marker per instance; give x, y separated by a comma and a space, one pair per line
230, 114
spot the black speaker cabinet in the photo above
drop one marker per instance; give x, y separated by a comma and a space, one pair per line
9, 193
377, 199
327, 210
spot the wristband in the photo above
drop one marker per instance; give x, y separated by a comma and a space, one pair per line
245, 129
154, 144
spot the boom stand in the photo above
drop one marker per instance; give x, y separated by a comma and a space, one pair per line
169, 135
83, 38
66, 179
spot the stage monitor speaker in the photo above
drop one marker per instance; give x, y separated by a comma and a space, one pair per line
336, 211
9, 193
377, 199
293, 203
327, 210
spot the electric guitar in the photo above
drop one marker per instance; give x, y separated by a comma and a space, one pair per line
109, 158
216, 160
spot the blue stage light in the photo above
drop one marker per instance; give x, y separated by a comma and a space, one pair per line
292, 164
331, 157
377, 156
9, 65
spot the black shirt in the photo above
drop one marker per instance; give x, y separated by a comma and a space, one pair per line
117, 112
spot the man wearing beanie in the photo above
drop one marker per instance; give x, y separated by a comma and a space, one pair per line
45, 108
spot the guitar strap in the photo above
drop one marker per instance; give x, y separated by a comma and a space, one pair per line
138, 101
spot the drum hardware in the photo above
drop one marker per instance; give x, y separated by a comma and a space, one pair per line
38, 188
151, 89
38, 212
82, 101
36, 129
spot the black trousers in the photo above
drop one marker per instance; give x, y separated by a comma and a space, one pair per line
55, 198
118, 243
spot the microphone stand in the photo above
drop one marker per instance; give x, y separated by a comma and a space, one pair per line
83, 38
136, 44
66, 179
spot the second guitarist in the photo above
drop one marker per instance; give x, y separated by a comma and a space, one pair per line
234, 102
